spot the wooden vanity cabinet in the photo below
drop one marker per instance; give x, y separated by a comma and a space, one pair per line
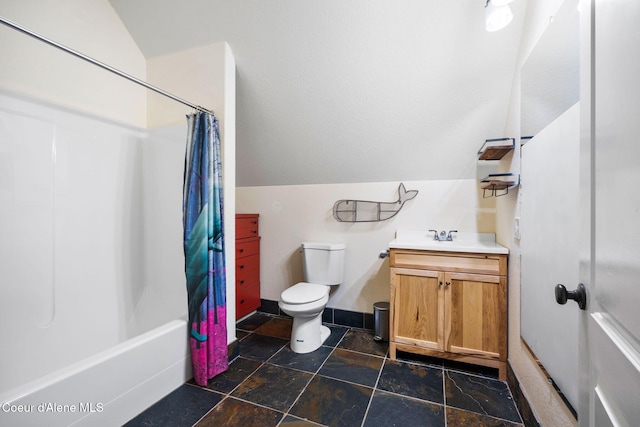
449, 305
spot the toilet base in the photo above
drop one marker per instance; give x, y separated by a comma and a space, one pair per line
308, 334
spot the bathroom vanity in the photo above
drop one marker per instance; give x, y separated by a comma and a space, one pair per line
449, 298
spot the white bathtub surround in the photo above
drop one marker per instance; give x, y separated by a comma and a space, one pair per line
291, 214
90, 255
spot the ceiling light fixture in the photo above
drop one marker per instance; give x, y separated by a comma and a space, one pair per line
501, 2
497, 14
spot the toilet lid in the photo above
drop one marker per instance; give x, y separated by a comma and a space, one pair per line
303, 293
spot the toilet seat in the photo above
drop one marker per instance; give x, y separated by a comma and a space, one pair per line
304, 293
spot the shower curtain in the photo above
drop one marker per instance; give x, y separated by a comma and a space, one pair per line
204, 248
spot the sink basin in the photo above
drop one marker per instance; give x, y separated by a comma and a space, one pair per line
462, 242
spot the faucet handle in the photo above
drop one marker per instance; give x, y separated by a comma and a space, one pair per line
449, 236
435, 234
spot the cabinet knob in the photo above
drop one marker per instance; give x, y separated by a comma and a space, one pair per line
447, 283
242, 282
241, 250
440, 283
242, 267
242, 301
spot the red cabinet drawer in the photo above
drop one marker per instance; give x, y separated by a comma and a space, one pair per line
246, 226
248, 269
247, 299
247, 247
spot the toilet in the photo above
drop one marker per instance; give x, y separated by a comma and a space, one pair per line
323, 266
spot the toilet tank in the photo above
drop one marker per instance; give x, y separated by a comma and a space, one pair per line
323, 263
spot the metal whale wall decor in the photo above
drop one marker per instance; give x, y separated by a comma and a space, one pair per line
368, 211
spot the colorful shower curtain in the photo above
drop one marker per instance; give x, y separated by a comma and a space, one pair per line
202, 209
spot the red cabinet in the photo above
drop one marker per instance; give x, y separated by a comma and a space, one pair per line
247, 264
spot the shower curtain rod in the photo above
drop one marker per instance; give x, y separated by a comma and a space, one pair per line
101, 64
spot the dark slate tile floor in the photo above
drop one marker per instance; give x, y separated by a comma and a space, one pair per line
349, 381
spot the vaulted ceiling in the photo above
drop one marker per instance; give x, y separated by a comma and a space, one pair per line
349, 90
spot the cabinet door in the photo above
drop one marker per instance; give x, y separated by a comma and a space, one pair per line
475, 323
418, 307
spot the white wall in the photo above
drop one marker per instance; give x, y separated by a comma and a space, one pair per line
544, 400
204, 76
91, 27
549, 253
196, 74
291, 214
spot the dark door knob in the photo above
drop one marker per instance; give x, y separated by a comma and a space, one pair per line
579, 295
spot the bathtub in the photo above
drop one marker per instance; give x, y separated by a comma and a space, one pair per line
92, 290
106, 389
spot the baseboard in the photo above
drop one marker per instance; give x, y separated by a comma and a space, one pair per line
233, 350
335, 316
528, 417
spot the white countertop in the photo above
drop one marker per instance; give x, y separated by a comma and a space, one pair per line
462, 242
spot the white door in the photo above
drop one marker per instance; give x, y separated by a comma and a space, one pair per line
610, 189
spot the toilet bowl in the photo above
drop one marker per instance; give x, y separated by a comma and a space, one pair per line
323, 266
305, 302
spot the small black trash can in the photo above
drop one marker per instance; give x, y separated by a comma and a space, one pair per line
381, 321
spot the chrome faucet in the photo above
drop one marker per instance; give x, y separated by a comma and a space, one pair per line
443, 236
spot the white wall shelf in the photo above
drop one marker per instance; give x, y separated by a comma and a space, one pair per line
498, 184
495, 149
